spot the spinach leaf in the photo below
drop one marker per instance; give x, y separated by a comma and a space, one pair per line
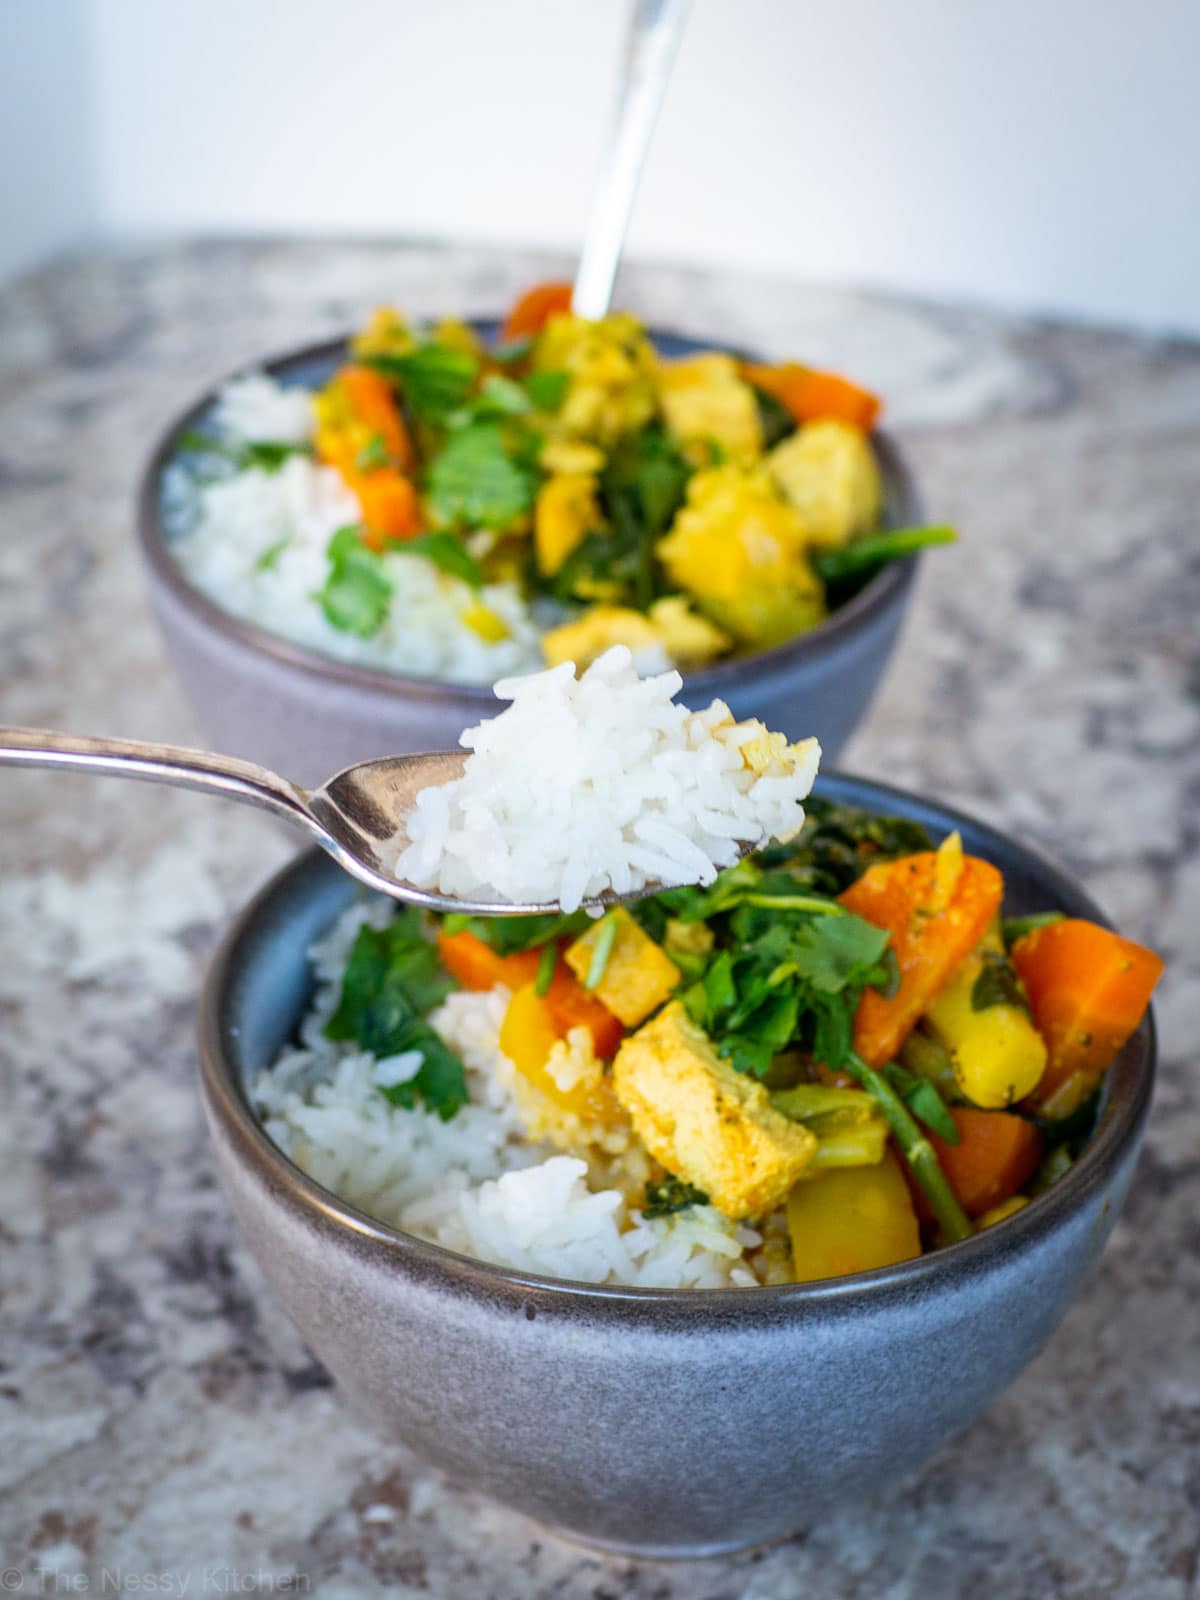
669, 1194
357, 593
774, 418
640, 489
393, 978
997, 984
838, 843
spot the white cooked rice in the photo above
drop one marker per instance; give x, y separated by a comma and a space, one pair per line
474, 1184
601, 782
222, 531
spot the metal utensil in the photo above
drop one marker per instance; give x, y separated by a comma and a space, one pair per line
359, 815
655, 29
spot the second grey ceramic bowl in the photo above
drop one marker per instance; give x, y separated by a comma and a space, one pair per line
652, 1421
257, 695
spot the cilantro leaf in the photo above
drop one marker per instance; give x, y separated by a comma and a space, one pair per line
445, 550
474, 483
357, 593
434, 379
547, 390
393, 978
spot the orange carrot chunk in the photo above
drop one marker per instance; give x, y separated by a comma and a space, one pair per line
572, 1006
996, 1154
477, 966
1088, 989
389, 505
933, 929
371, 401
534, 309
566, 1002
813, 396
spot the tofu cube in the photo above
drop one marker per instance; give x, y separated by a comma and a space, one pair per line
638, 975
706, 1122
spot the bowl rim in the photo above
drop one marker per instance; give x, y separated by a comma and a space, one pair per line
881, 593
1123, 1113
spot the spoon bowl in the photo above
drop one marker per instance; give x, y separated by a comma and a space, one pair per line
358, 816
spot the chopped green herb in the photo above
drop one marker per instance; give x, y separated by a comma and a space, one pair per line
474, 482
601, 951
547, 390
392, 980
508, 936
665, 1196
357, 592
434, 379
547, 962
271, 555
262, 455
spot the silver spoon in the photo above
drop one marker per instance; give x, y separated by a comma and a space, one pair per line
655, 29
358, 816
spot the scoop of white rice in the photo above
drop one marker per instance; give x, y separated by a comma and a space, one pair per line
476, 1184
258, 408
603, 782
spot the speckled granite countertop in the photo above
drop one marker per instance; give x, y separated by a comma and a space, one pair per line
160, 1423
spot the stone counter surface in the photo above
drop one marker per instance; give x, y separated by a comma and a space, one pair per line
161, 1425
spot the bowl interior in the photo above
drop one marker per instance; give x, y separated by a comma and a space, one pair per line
160, 521
260, 985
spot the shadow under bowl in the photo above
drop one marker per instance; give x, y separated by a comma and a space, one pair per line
661, 1422
258, 695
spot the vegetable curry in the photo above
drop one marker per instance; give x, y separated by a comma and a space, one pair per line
841, 1041
691, 509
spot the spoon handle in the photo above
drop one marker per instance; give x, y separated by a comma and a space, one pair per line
654, 32
156, 763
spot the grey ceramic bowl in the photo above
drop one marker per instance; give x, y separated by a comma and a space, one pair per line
655, 1421
255, 694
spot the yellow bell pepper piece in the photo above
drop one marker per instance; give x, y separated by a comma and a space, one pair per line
851, 1219
565, 513
564, 1070
484, 622
997, 1053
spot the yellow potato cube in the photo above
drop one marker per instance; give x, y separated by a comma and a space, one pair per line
852, 1219
638, 975
738, 550
595, 632
704, 398
828, 473
709, 1124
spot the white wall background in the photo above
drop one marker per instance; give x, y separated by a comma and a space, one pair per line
1037, 153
